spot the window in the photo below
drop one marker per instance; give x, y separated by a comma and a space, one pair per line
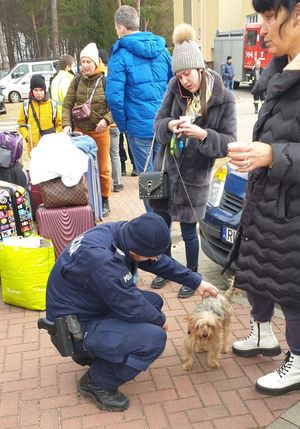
187, 11
20, 71
251, 37
252, 19
42, 67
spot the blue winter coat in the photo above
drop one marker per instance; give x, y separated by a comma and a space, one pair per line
138, 73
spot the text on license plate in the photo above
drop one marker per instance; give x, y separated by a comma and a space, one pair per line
228, 234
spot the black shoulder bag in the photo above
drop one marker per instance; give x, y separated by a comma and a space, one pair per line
154, 185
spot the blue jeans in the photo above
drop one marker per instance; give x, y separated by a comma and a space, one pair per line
140, 149
229, 84
190, 238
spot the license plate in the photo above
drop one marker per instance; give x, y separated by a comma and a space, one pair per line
228, 234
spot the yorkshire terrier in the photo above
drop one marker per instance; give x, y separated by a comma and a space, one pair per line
208, 329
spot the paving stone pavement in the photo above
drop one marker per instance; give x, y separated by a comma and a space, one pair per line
38, 387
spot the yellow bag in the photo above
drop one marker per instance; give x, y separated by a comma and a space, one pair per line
25, 272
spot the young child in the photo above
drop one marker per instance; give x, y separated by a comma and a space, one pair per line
40, 112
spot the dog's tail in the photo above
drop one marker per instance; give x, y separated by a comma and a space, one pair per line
231, 290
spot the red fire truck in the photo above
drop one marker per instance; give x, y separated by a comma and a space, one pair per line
245, 46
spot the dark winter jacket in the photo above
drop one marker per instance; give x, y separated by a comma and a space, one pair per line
78, 93
94, 277
268, 244
228, 72
139, 70
197, 158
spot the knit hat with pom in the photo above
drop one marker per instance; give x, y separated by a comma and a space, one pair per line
91, 52
186, 54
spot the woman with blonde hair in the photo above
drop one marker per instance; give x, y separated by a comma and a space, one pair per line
198, 117
97, 124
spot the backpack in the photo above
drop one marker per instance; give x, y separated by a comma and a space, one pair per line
11, 148
26, 109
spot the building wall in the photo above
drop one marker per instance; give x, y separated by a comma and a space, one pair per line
208, 16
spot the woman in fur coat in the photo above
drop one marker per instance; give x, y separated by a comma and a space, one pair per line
191, 144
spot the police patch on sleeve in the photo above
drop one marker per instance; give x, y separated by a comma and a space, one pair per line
126, 279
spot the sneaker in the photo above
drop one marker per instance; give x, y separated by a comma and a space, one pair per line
104, 399
105, 207
185, 292
260, 341
282, 380
118, 188
158, 282
134, 173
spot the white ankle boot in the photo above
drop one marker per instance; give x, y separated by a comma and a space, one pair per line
261, 340
283, 379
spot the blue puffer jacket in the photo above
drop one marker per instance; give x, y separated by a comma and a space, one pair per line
138, 73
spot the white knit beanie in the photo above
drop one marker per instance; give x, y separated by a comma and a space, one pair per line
91, 51
186, 54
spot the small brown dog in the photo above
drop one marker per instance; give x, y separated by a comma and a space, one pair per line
208, 330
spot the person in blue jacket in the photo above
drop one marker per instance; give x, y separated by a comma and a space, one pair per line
228, 73
139, 70
123, 327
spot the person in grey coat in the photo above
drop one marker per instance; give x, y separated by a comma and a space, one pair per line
193, 142
267, 247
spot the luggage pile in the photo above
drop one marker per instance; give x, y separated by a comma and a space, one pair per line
15, 208
25, 259
67, 211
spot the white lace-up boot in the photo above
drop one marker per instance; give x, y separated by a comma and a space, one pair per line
283, 379
260, 341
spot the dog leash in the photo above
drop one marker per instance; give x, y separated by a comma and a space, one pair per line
196, 217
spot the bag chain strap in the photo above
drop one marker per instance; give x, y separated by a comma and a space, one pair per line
150, 153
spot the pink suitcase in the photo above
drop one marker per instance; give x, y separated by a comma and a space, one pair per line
61, 225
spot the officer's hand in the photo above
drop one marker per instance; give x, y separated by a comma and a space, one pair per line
206, 289
165, 327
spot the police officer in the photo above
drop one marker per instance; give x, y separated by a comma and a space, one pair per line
124, 329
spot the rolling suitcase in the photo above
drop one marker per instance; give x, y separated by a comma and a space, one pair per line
61, 225
88, 145
15, 211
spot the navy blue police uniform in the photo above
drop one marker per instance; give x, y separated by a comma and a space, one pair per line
122, 325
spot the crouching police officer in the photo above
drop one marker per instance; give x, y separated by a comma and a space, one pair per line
124, 329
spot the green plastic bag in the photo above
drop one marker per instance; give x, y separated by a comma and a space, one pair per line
25, 272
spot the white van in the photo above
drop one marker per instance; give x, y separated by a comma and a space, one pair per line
23, 69
18, 89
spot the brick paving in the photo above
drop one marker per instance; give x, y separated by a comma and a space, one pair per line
38, 387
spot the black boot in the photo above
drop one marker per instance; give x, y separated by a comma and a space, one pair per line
185, 291
104, 399
105, 207
158, 282
123, 168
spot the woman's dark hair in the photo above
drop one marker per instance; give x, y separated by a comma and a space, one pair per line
261, 6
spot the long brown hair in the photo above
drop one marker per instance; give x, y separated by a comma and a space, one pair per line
203, 88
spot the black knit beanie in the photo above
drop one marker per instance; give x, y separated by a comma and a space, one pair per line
147, 235
37, 81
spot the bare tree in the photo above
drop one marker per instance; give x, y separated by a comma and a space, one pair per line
138, 7
4, 63
119, 3
54, 28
